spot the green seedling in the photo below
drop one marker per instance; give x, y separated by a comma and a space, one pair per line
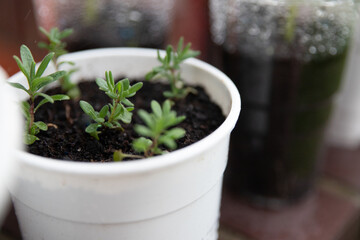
170, 69
118, 156
119, 110
56, 45
35, 82
158, 129
291, 23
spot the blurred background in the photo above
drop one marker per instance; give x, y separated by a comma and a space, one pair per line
294, 166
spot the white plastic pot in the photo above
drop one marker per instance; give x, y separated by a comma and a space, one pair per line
344, 127
10, 139
174, 196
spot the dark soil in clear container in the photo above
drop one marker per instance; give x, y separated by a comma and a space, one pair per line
276, 146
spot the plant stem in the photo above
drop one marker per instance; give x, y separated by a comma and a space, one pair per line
115, 104
32, 115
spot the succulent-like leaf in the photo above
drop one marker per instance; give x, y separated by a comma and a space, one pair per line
143, 131
168, 142
141, 144
156, 108
176, 133
146, 117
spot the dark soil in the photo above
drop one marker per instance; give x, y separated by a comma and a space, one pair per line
66, 137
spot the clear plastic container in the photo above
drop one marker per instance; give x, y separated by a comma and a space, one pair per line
108, 23
287, 60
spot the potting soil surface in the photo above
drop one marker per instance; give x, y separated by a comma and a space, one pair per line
66, 137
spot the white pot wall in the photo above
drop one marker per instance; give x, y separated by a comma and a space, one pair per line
174, 196
10, 139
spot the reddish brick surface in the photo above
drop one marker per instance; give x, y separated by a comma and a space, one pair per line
322, 216
344, 165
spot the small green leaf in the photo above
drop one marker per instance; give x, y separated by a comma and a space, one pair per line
41, 125
19, 86
102, 84
66, 62
57, 97
126, 117
43, 65
156, 108
176, 133
150, 75
25, 107
168, 142
141, 144
22, 68
127, 102
108, 125
43, 45
26, 57
30, 139
43, 31
47, 97
180, 44
118, 156
143, 131
103, 112
146, 117
129, 109
169, 94
179, 120
190, 54
65, 33
92, 128
111, 95
166, 107
99, 119
125, 84
60, 97
38, 83
57, 75
133, 89
86, 107
32, 71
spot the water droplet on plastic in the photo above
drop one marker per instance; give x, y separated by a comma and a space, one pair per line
312, 50
135, 16
333, 51
318, 37
321, 48
254, 30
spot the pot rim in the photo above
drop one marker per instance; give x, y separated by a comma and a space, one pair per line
148, 164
